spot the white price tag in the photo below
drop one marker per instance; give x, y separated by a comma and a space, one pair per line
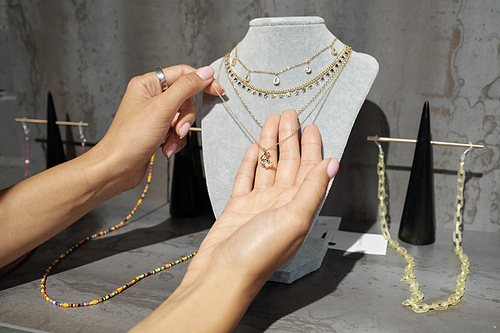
327, 227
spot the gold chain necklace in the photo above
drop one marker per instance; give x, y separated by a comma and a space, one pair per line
416, 298
276, 80
265, 157
265, 93
332, 74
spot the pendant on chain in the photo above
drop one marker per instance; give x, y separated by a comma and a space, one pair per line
264, 160
276, 80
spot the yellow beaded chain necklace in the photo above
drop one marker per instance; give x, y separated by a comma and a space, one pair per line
416, 298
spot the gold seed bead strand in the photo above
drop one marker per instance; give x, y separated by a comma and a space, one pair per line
416, 297
43, 284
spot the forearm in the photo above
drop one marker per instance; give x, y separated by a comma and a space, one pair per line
212, 303
38, 208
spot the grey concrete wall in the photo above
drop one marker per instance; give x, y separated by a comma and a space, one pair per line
84, 52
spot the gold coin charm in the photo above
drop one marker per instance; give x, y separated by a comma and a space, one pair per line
264, 160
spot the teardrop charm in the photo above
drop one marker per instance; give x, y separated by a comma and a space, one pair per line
276, 80
233, 62
308, 69
247, 77
334, 51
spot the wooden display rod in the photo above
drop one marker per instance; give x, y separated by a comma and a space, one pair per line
438, 143
44, 121
72, 123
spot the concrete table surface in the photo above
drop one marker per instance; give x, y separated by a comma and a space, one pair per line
351, 292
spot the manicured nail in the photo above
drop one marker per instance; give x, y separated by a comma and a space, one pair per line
220, 88
184, 130
171, 149
205, 73
331, 169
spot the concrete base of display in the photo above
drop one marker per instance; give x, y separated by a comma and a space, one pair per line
308, 259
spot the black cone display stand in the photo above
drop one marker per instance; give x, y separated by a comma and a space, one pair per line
185, 195
55, 150
418, 222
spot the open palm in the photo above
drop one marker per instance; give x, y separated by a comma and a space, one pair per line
270, 210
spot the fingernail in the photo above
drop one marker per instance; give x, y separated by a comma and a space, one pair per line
331, 169
184, 130
221, 89
205, 73
171, 149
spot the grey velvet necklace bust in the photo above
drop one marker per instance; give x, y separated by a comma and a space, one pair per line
273, 44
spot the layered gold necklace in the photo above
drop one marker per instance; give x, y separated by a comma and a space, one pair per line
276, 80
328, 76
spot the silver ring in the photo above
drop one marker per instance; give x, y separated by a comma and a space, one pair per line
161, 77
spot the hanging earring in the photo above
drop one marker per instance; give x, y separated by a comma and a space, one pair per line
26, 174
27, 138
82, 138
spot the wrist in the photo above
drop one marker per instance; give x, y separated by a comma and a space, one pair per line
219, 301
113, 171
103, 173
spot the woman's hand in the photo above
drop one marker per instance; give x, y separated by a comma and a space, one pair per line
262, 226
270, 210
148, 117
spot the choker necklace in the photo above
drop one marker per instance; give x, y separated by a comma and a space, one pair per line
276, 80
416, 298
43, 283
331, 77
265, 93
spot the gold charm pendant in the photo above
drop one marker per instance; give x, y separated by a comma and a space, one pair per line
264, 160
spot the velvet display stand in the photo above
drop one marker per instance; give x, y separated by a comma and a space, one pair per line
55, 151
274, 44
418, 224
